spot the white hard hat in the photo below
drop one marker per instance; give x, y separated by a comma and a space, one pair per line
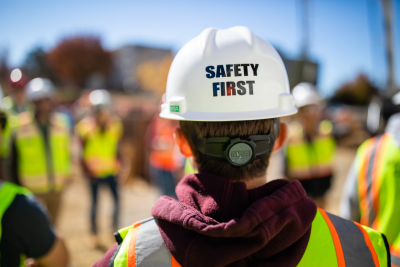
227, 75
39, 88
305, 94
396, 99
100, 98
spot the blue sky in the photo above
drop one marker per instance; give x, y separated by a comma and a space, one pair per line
346, 36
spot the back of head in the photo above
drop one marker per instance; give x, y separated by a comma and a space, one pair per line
227, 87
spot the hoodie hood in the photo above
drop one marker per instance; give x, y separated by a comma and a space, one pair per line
218, 223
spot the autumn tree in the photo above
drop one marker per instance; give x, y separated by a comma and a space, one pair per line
75, 59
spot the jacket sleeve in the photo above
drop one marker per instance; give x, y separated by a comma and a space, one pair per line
349, 206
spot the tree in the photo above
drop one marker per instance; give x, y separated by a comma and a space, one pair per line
357, 92
75, 59
36, 65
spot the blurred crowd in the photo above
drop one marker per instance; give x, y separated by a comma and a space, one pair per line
38, 133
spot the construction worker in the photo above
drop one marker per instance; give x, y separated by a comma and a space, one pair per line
4, 140
100, 135
310, 150
371, 195
40, 148
26, 236
228, 88
164, 160
12, 105
16, 102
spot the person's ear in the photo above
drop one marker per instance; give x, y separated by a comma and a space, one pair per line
281, 140
182, 143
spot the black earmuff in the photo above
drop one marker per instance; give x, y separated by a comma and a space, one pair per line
238, 151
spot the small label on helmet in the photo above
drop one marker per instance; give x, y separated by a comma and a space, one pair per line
240, 153
173, 108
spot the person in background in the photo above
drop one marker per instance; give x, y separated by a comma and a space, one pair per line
100, 135
16, 102
26, 235
310, 150
4, 135
40, 148
165, 161
371, 195
227, 214
12, 105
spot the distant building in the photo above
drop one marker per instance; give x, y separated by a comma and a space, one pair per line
300, 70
126, 61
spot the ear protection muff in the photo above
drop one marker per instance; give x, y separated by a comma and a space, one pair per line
238, 151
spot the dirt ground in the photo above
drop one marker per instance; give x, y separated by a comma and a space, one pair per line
136, 199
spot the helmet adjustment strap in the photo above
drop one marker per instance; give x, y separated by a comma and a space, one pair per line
238, 151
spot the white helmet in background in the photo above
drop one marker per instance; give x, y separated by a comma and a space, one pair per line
396, 99
227, 75
39, 88
100, 98
305, 94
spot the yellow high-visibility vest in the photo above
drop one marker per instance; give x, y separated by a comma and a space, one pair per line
100, 149
334, 242
11, 125
305, 160
33, 157
377, 165
8, 192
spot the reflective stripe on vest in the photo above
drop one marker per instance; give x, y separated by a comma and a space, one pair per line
33, 159
378, 166
100, 151
8, 192
305, 160
334, 242
395, 256
141, 245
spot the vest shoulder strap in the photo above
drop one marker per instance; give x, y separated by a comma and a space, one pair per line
356, 245
141, 245
350, 244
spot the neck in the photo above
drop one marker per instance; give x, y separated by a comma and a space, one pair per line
256, 182
42, 118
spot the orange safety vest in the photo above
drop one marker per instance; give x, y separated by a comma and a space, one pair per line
163, 149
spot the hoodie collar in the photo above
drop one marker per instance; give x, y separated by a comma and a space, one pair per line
218, 223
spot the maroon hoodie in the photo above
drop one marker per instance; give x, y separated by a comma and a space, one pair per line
220, 223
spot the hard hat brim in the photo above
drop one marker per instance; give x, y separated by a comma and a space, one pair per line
227, 116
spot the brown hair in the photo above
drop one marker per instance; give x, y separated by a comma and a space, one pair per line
228, 129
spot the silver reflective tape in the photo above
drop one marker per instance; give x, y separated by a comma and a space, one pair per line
355, 251
150, 248
395, 260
